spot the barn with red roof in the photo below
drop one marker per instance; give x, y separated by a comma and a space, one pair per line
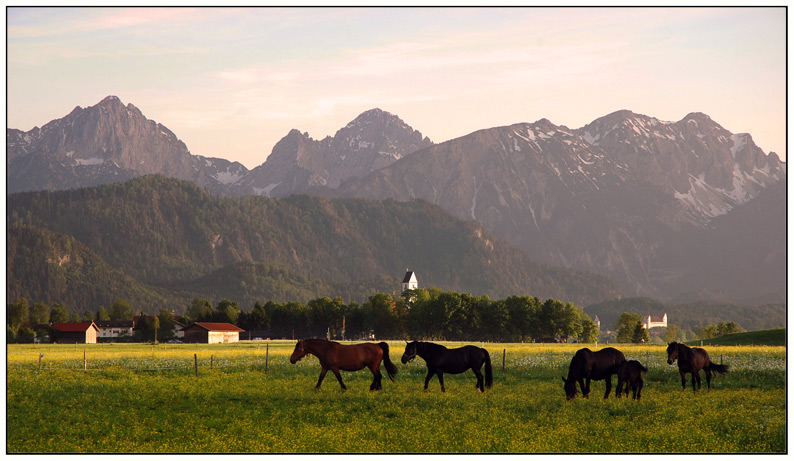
76, 332
211, 333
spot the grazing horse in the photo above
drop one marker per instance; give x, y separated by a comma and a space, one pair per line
692, 360
440, 360
587, 365
334, 356
630, 374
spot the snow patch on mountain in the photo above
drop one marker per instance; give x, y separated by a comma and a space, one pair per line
89, 161
739, 141
229, 177
266, 190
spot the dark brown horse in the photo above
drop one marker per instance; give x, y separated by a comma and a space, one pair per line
587, 365
692, 360
440, 360
335, 357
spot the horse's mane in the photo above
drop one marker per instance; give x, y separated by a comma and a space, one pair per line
430, 346
319, 341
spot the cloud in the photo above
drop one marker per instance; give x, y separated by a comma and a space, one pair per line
53, 22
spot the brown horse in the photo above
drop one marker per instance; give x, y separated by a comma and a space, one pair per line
335, 357
692, 360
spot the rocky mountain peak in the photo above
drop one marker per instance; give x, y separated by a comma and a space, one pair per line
105, 143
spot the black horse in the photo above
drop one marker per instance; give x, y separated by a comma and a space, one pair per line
587, 365
630, 375
692, 360
441, 360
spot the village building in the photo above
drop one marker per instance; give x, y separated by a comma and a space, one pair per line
211, 333
79, 332
115, 328
409, 281
654, 322
179, 329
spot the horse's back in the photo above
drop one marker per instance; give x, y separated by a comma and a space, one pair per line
459, 359
354, 357
700, 358
597, 365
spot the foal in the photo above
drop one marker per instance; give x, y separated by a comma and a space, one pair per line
630, 374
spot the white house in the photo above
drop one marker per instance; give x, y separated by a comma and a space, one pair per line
409, 281
115, 329
653, 322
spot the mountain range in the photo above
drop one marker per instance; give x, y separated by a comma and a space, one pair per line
673, 210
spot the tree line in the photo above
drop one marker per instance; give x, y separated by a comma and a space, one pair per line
420, 314
425, 313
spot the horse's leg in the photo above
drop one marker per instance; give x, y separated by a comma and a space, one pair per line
695, 381
339, 378
708, 377
322, 376
376, 380
609, 386
683, 380
619, 391
639, 384
441, 380
478, 374
430, 374
585, 388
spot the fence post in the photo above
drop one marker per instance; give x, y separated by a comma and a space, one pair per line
503, 360
40, 357
195, 363
267, 354
85, 363
212, 358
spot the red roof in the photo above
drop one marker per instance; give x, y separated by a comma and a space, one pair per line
215, 326
80, 326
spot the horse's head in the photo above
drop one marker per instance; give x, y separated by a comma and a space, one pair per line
298, 353
569, 387
410, 352
672, 353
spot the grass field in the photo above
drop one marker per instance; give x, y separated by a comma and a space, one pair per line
147, 399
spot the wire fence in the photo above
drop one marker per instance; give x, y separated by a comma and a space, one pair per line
261, 358
155, 360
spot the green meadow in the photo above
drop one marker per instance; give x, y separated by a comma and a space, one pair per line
248, 398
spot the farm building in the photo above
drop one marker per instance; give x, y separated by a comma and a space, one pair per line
81, 332
211, 333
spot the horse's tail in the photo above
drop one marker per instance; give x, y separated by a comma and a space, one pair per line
721, 369
488, 370
391, 369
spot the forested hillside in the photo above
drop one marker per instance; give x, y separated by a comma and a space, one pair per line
179, 242
44, 266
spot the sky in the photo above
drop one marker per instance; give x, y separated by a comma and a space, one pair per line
231, 82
